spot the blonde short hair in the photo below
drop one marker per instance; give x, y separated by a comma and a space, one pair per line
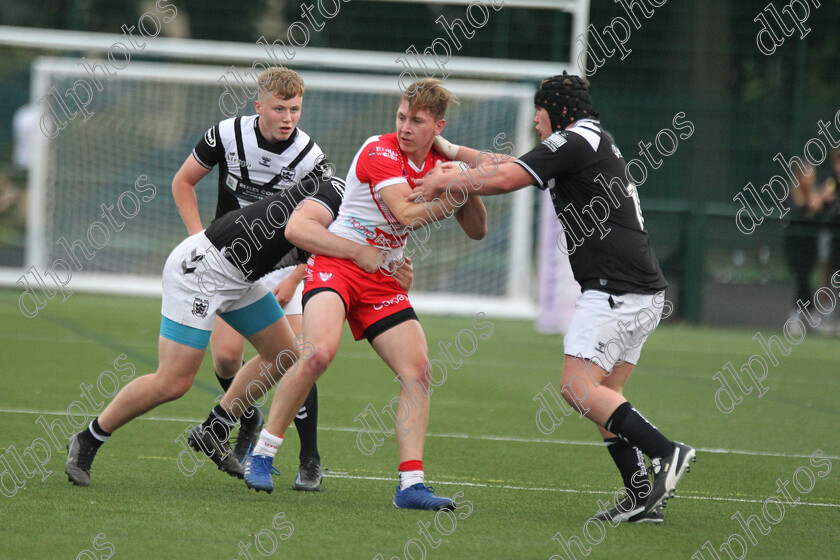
429, 94
285, 83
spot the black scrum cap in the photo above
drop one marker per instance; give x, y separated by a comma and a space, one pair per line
566, 99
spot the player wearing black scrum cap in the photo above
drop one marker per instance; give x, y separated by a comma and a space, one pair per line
622, 285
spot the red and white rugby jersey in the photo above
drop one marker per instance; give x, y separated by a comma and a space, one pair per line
364, 217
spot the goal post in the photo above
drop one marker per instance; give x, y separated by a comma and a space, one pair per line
100, 198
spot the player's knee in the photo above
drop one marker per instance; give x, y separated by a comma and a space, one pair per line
618, 389
613, 382
575, 388
420, 374
170, 391
571, 398
317, 362
226, 363
568, 377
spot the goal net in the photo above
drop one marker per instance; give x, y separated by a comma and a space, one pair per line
101, 189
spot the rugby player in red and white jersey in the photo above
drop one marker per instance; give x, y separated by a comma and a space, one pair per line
375, 212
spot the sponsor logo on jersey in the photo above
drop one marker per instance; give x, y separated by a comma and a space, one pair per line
384, 152
265, 161
231, 158
617, 152
385, 239
393, 301
600, 347
554, 141
325, 276
360, 227
200, 306
210, 137
339, 187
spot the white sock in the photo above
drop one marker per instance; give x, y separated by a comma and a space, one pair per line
267, 445
410, 478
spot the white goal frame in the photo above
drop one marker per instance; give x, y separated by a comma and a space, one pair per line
518, 300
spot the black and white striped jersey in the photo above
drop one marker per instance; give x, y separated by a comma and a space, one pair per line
250, 167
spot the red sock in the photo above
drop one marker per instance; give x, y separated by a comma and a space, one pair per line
414, 465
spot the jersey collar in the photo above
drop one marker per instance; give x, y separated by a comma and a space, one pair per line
276, 147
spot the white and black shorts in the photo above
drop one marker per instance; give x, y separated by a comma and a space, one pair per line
608, 329
198, 284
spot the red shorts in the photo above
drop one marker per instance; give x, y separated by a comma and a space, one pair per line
373, 302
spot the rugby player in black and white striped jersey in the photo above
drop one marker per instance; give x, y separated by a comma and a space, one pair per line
258, 156
216, 272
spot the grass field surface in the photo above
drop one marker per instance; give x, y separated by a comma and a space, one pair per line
520, 491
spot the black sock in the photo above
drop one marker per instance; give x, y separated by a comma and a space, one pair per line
225, 382
631, 465
94, 436
219, 422
307, 427
632, 427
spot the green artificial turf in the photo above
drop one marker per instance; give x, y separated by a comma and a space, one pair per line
517, 487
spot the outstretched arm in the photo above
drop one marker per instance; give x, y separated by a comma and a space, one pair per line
494, 178
307, 229
466, 154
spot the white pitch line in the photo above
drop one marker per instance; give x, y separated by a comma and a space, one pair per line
495, 438
566, 490
547, 366
718, 450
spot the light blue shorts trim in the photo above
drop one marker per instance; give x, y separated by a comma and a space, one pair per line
255, 317
182, 334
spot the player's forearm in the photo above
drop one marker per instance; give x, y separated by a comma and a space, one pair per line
473, 156
466, 154
472, 217
299, 273
421, 212
187, 204
489, 181
312, 236
502, 179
